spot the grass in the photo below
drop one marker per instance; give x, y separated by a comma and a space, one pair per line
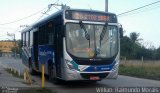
147, 69
36, 90
14, 73
30, 90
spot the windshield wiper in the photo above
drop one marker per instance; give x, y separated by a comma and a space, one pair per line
103, 33
87, 36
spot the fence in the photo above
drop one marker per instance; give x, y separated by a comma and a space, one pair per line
145, 63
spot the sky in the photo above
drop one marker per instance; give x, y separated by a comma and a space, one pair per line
15, 14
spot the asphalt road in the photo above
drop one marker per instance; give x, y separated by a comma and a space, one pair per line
86, 87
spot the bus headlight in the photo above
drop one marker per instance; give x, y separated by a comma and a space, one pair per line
71, 64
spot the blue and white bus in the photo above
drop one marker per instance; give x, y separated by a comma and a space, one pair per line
74, 44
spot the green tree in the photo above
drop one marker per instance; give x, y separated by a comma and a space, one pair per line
126, 47
131, 48
158, 53
18, 47
134, 37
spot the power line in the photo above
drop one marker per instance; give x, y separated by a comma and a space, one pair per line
42, 15
7, 28
49, 7
138, 8
141, 11
22, 18
56, 7
30, 16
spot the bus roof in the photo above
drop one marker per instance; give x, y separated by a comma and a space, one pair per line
43, 21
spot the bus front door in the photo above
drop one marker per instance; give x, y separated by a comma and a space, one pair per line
59, 50
35, 46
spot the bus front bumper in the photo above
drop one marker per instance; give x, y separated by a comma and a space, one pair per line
70, 75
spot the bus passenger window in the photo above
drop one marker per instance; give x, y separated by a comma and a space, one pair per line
24, 39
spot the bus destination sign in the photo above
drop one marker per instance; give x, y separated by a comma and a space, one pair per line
90, 16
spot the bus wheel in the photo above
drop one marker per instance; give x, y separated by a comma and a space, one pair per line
55, 79
52, 73
31, 71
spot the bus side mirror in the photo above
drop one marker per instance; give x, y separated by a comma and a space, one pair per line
121, 32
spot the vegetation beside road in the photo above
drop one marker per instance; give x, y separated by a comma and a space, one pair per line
148, 70
14, 73
36, 90
30, 90
133, 47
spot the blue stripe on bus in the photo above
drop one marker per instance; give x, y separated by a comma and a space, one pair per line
100, 68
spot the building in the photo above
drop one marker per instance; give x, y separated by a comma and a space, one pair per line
6, 48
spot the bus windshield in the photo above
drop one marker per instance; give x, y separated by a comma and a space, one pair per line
91, 40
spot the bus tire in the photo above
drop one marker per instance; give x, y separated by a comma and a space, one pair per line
55, 79
52, 73
31, 70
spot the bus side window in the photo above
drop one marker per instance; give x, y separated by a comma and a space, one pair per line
59, 36
51, 33
24, 39
28, 38
39, 35
31, 38
42, 33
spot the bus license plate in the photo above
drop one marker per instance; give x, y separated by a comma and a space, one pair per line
94, 78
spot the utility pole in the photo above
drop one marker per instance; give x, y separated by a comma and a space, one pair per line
15, 54
106, 5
